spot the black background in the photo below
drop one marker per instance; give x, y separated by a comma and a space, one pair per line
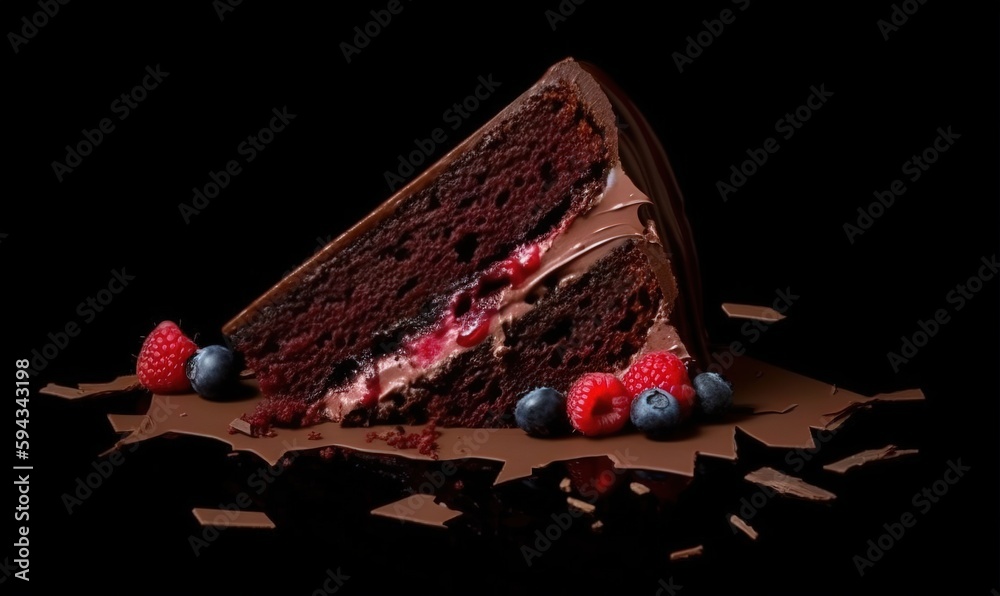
782, 229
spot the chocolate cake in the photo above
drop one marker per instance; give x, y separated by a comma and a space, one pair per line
525, 257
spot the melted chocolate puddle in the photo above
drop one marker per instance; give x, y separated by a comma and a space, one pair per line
777, 407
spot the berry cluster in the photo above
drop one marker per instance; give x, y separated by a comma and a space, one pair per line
655, 394
169, 362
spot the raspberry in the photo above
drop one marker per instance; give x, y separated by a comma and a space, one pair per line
598, 404
162, 358
665, 371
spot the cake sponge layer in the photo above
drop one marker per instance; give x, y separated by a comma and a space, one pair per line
538, 164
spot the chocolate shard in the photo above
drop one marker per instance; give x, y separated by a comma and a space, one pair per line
241, 426
687, 553
123, 384
224, 518
838, 417
418, 508
122, 423
756, 313
790, 486
639, 488
866, 457
738, 524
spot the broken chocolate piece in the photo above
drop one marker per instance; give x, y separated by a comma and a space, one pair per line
687, 553
122, 384
789, 486
738, 523
225, 518
756, 313
418, 508
866, 457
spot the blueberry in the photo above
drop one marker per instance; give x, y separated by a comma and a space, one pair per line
541, 412
715, 394
213, 371
656, 412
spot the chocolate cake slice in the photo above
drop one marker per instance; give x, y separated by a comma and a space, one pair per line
524, 257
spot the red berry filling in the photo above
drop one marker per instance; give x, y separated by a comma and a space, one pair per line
471, 310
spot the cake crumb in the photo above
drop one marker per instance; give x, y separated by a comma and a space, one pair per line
425, 442
314, 435
183, 414
597, 526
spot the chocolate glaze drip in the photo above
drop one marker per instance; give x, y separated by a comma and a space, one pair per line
645, 160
